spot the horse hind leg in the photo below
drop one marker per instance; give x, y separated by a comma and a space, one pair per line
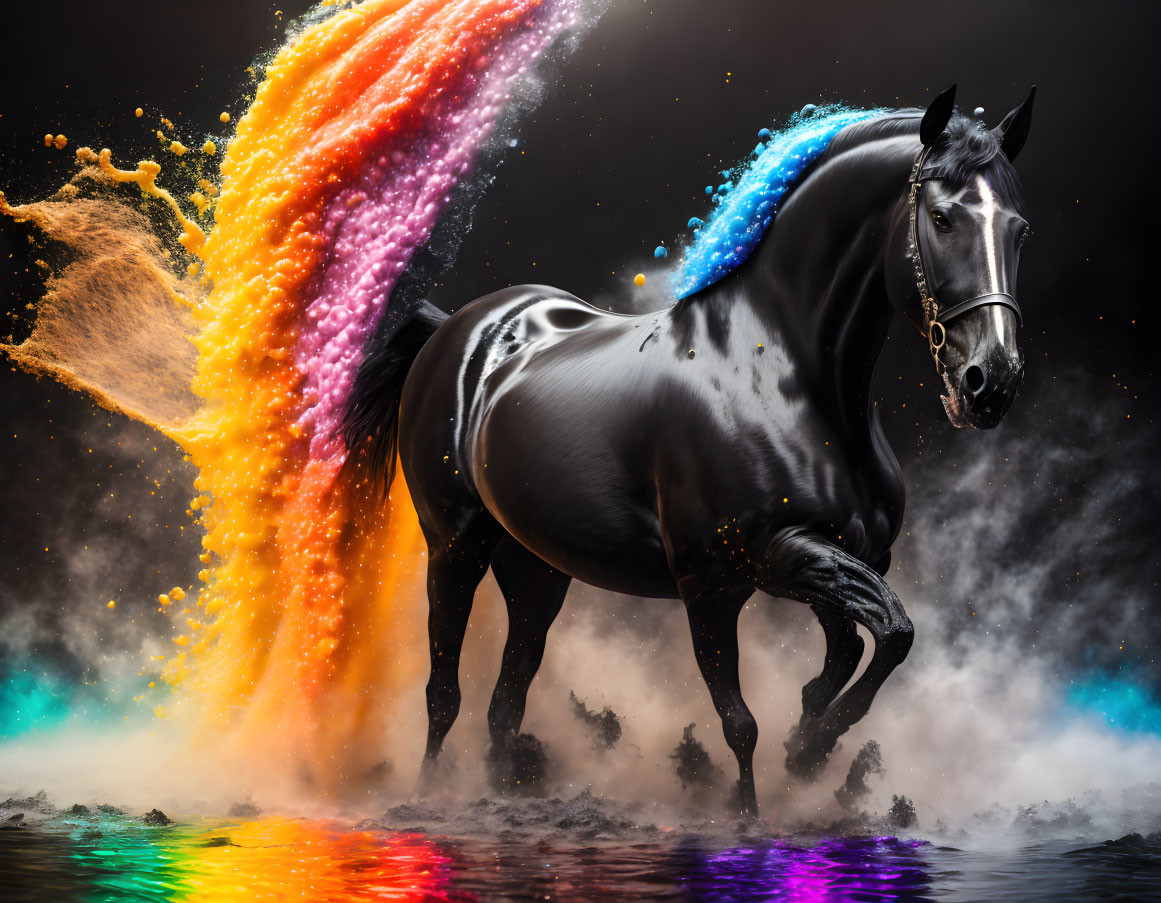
454, 569
713, 624
534, 592
844, 651
806, 567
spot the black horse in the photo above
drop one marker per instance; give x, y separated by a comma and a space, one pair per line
726, 444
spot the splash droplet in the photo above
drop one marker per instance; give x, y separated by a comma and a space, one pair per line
660, 251
639, 279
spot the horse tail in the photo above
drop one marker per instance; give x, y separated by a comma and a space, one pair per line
370, 424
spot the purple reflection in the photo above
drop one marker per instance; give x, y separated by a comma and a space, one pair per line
833, 869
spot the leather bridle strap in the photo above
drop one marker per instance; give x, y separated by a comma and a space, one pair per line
935, 318
1001, 298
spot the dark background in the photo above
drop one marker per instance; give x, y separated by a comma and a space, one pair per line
659, 97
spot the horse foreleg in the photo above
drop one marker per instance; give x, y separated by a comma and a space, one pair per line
844, 650
713, 623
806, 567
454, 570
534, 592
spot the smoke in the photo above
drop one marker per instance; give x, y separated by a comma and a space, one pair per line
1025, 562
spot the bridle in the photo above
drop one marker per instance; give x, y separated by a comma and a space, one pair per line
934, 317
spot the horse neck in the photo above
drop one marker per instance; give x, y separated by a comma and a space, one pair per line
819, 274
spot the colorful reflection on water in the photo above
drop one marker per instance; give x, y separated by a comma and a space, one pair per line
108, 856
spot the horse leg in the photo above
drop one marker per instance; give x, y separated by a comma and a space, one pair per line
844, 650
713, 623
534, 592
806, 567
454, 570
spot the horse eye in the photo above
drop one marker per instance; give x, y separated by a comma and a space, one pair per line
942, 223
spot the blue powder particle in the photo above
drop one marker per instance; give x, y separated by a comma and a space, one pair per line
763, 134
748, 201
709, 189
660, 251
694, 223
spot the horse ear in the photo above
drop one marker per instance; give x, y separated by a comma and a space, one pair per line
1013, 131
937, 116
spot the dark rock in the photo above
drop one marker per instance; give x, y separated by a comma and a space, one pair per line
78, 811
244, 809
1050, 816
38, 803
868, 761
156, 817
692, 762
604, 727
902, 814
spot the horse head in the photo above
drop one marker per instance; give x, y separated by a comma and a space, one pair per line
955, 253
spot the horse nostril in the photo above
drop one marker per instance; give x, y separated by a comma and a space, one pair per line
974, 380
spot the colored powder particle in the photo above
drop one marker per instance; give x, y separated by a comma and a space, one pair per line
48, 140
177, 147
59, 142
748, 200
225, 117
139, 112
660, 251
639, 279
307, 630
209, 149
111, 604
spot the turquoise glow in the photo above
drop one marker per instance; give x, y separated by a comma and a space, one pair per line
36, 696
1120, 700
30, 699
748, 197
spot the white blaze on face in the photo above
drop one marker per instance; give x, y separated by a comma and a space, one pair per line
988, 205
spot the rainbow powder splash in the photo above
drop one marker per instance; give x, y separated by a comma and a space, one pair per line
305, 633
748, 200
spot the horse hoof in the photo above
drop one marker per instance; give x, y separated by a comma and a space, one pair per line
806, 755
744, 802
519, 765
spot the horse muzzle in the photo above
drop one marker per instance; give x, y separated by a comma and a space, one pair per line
984, 390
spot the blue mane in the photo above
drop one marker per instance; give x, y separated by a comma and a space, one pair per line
746, 202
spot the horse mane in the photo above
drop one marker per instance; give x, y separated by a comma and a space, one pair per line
966, 148
747, 202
